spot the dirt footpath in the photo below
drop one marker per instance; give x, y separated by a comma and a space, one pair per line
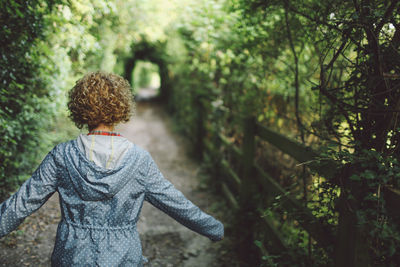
165, 242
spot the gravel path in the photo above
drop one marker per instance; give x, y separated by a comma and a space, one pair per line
165, 242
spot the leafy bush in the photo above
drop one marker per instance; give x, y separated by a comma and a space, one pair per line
325, 73
25, 111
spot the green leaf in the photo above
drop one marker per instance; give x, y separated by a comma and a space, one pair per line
369, 175
355, 177
258, 243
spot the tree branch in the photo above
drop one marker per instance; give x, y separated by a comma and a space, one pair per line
388, 13
296, 75
356, 6
296, 11
336, 55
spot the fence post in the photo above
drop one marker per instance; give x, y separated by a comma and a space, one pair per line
247, 212
248, 160
345, 240
249, 128
351, 248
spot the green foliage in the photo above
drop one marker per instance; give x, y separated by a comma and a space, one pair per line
24, 99
372, 173
324, 72
45, 47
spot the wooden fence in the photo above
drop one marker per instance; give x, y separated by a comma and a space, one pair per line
239, 188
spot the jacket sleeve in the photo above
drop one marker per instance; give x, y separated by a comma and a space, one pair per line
163, 195
33, 193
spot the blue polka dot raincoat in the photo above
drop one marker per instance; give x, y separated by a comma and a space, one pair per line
100, 206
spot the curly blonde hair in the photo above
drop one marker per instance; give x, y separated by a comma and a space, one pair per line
100, 97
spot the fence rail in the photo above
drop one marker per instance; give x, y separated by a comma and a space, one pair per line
237, 185
319, 232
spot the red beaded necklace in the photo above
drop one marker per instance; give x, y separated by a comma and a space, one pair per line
103, 133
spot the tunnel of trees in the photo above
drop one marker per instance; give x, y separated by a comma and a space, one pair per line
293, 107
152, 52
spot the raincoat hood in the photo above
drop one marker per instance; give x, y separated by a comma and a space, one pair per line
93, 182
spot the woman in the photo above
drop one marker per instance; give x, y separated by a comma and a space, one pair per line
102, 180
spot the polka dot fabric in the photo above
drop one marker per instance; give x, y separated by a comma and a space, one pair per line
100, 207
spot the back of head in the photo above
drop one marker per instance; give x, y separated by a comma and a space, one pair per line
100, 97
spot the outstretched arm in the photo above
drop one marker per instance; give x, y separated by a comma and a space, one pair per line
163, 195
30, 197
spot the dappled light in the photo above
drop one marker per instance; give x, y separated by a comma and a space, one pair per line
283, 116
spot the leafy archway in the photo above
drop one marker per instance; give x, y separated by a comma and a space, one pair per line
155, 53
